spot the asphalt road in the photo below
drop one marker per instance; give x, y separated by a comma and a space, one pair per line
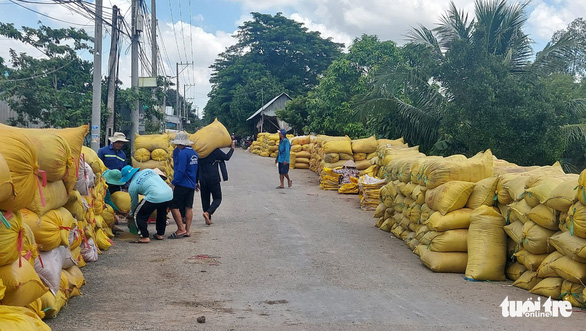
292, 259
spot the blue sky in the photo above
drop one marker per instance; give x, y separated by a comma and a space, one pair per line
198, 30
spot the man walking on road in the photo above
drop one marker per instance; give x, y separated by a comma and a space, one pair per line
185, 162
283, 159
209, 180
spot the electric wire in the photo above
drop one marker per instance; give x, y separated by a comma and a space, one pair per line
53, 18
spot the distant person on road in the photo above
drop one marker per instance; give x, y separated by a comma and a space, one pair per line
283, 158
157, 195
185, 163
208, 179
113, 156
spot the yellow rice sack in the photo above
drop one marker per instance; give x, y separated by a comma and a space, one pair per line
52, 304
121, 200
573, 293
51, 230
571, 246
528, 280
457, 219
544, 216
535, 238
366, 145
75, 205
470, 170
450, 241
102, 240
338, 146
581, 194
545, 270
487, 245
54, 153
442, 261
569, 269
10, 230
37, 307
29, 246
538, 189
549, 287
563, 195
531, 261
21, 318
577, 219
449, 196
6, 185
210, 137
21, 159
53, 196
151, 164
23, 285
484, 193
142, 154
159, 154
151, 142
515, 270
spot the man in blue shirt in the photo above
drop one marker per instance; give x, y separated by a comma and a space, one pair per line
283, 158
185, 161
112, 155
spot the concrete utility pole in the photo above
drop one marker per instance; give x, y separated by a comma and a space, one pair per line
177, 108
136, 29
185, 98
97, 81
112, 75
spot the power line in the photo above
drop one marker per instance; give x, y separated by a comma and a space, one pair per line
174, 31
42, 74
53, 18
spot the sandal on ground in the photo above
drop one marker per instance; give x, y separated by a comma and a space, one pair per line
279, 187
290, 183
158, 237
174, 235
138, 241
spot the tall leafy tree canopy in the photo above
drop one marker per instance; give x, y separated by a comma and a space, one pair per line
480, 89
55, 90
273, 55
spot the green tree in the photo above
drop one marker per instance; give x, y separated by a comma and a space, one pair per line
480, 90
273, 55
52, 90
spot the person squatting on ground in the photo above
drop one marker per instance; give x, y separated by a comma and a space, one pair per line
208, 180
156, 193
185, 162
283, 159
113, 156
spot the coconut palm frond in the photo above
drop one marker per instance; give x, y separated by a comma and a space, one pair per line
454, 26
556, 56
577, 107
424, 36
573, 132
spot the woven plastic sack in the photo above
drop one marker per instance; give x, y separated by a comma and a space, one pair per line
563, 195
91, 157
573, 293
74, 137
391, 142
37, 307
515, 270
544, 216
449, 196
531, 261
151, 164
21, 318
52, 304
535, 238
23, 285
53, 152
210, 137
457, 219
75, 205
338, 146
75, 280
450, 241
484, 193
21, 159
538, 189
29, 246
366, 145
89, 251
549, 287
577, 220
142, 154
581, 195
151, 142
527, 280
50, 230
569, 269
545, 269
102, 240
6, 185
49, 270
159, 154
51, 196
442, 261
571, 246
471, 170
121, 200
487, 245
10, 237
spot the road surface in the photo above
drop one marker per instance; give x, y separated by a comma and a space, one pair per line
292, 259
